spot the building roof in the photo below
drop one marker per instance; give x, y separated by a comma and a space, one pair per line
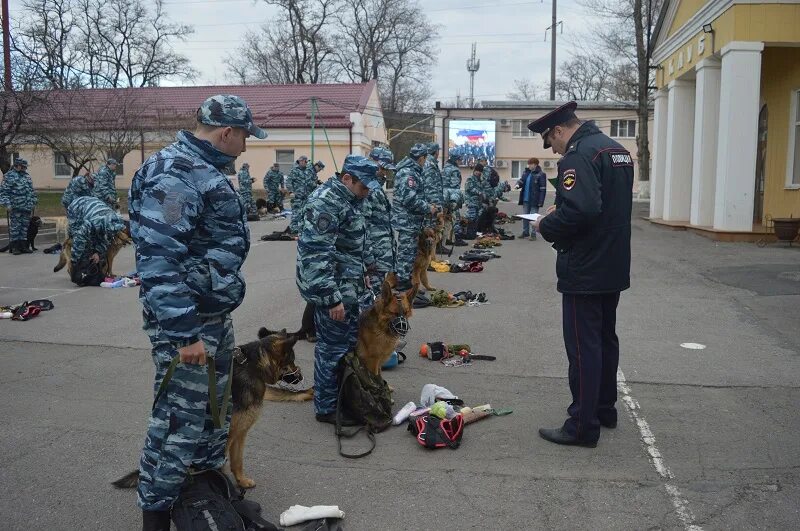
549, 105
273, 106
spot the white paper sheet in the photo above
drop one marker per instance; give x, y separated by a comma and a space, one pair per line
531, 217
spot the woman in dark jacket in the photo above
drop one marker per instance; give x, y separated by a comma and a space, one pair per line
533, 189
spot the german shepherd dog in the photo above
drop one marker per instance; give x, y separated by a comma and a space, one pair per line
426, 247
376, 338
256, 365
121, 239
33, 231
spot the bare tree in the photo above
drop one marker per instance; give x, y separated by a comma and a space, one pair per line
17, 105
624, 33
524, 90
404, 86
101, 43
262, 58
584, 78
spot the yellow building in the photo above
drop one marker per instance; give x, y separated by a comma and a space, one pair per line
727, 115
347, 119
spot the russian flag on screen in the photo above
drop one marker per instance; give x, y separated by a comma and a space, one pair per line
472, 134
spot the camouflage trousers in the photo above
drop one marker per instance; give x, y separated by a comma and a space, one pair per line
474, 212
298, 209
247, 202
407, 242
376, 279
274, 197
180, 431
18, 225
334, 340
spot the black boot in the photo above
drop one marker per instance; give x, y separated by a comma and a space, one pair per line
155, 521
23, 247
15, 248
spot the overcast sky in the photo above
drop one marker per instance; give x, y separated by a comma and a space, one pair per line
509, 33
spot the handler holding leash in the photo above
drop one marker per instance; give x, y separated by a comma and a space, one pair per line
591, 230
191, 236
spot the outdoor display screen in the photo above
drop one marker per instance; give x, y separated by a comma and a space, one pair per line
473, 140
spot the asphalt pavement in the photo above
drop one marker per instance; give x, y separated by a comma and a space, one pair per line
707, 437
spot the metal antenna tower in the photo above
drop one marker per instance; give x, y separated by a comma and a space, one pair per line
473, 65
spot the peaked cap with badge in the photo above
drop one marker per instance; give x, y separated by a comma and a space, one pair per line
558, 116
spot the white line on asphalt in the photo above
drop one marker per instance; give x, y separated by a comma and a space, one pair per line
680, 503
34, 289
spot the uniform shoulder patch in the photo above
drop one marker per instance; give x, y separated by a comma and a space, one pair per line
173, 207
620, 158
570, 178
411, 182
324, 222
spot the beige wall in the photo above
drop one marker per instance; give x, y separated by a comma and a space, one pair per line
511, 148
261, 154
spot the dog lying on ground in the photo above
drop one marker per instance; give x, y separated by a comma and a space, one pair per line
121, 239
377, 337
256, 365
33, 231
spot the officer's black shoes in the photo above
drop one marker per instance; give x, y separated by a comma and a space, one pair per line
461, 243
15, 248
155, 520
610, 423
23, 247
330, 418
559, 436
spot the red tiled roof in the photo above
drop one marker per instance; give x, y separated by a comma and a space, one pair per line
273, 106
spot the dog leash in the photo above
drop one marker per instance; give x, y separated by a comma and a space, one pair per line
217, 415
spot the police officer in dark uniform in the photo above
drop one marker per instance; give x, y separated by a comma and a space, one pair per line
590, 228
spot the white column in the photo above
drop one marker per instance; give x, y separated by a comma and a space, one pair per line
706, 128
659, 155
678, 168
740, 84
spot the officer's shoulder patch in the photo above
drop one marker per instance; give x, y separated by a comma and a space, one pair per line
570, 178
324, 222
173, 207
412, 183
620, 158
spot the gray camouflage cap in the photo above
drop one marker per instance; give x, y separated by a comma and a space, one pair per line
383, 157
418, 150
226, 110
363, 169
433, 148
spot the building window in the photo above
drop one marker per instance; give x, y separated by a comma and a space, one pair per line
793, 162
623, 128
62, 170
518, 168
285, 160
520, 129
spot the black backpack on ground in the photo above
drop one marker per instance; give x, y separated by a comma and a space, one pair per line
363, 397
85, 273
210, 501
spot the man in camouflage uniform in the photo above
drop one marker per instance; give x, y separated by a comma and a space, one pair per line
302, 181
79, 186
246, 188
432, 176
330, 272
191, 237
409, 209
18, 196
475, 192
273, 185
92, 227
105, 188
453, 196
377, 210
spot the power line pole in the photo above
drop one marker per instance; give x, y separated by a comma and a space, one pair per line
553, 53
473, 65
6, 48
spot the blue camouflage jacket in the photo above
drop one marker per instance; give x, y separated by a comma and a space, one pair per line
475, 191
451, 182
302, 181
273, 182
380, 248
104, 186
245, 182
77, 187
92, 226
330, 250
16, 191
432, 176
190, 230
409, 205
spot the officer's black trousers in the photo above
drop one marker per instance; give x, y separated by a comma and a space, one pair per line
590, 338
